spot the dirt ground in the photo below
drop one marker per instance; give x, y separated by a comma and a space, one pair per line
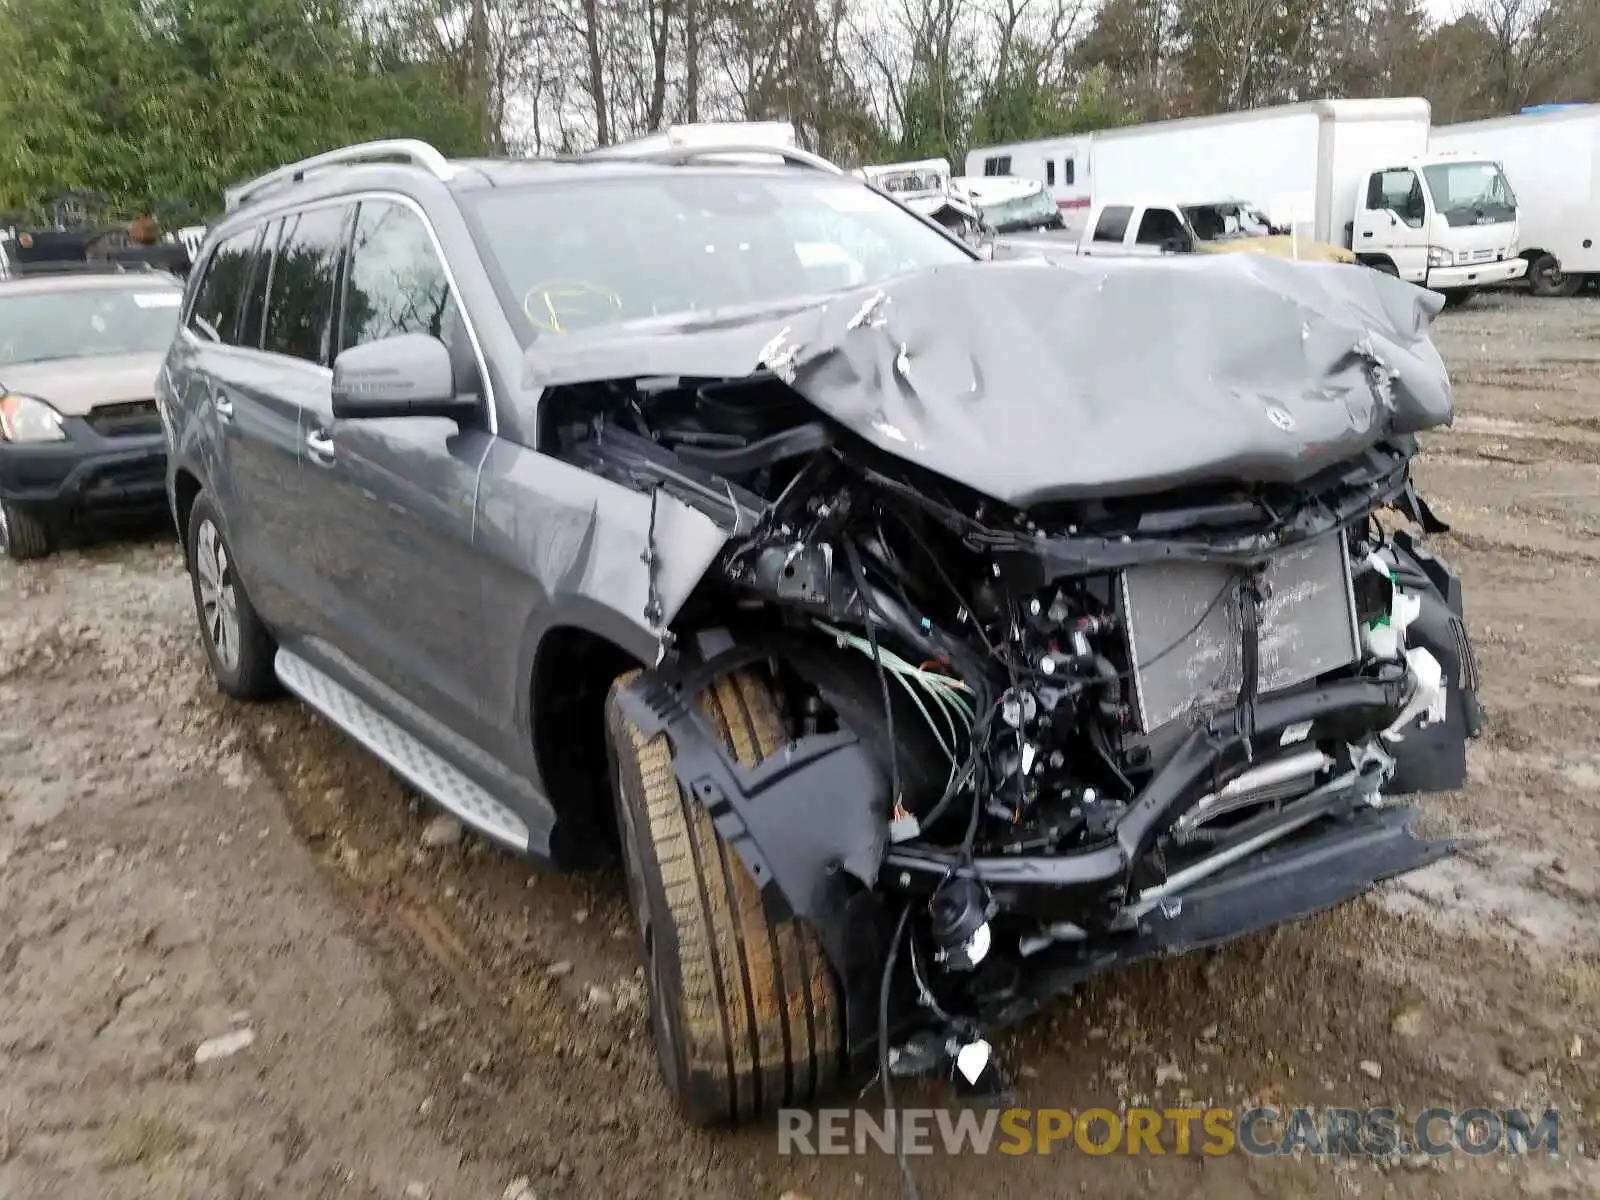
442, 1020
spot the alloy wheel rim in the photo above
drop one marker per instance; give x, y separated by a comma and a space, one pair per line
219, 605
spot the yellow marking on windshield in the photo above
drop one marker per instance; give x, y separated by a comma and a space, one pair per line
561, 304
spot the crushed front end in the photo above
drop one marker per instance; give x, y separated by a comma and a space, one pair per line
1035, 737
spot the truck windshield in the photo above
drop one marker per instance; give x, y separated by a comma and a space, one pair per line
1034, 211
1471, 193
608, 250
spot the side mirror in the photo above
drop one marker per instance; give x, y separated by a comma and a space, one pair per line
408, 375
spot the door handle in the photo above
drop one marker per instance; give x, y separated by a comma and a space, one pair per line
222, 405
319, 444
1368, 233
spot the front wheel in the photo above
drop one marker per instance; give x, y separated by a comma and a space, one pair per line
744, 1009
1546, 278
237, 643
1456, 297
22, 535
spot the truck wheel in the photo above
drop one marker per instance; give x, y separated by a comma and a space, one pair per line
237, 644
22, 535
1456, 297
1546, 278
744, 1009
1384, 267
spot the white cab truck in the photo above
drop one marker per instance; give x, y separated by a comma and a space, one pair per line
1552, 161
1353, 173
1062, 164
1157, 226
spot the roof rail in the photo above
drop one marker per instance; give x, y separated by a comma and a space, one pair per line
411, 150
683, 154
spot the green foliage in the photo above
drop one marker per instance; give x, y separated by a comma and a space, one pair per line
163, 103
933, 116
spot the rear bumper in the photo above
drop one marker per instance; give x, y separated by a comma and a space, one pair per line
1442, 279
86, 473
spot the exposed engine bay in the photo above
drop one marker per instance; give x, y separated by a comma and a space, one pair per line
1035, 732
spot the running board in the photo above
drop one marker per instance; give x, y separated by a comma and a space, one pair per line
402, 752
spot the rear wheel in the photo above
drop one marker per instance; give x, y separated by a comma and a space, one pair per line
22, 535
237, 643
744, 1009
1546, 278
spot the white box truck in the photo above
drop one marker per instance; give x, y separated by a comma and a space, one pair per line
1063, 164
1354, 173
1552, 160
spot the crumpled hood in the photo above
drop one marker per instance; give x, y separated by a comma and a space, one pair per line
73, 386
1031, 382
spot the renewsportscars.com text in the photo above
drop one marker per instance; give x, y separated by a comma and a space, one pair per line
1260, 1131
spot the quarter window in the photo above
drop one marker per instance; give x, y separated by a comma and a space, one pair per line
305, 274
215, 313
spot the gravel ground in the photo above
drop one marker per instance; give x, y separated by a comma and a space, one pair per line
238, 959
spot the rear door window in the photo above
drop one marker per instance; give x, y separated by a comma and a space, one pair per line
255, 297
305, 276
1113, 223
214, 315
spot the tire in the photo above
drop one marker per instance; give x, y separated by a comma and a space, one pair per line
1384, 267
242, 664
1458, 297
744, 1010
1546, 278
23, 535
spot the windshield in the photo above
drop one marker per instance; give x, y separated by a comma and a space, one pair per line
1225, 221
602, 251
1471, 193
1033, 211
87, 323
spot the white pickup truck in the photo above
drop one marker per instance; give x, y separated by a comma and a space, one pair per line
1155, 227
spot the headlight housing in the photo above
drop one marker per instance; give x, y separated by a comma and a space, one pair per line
1438, 256
29, 419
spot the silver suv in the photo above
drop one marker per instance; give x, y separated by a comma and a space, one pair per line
928, 634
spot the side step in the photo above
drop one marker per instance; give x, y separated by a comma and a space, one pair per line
404, 754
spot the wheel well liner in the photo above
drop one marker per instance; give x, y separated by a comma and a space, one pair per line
573, 669
185, 490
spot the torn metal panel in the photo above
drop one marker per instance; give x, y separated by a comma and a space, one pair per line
1031, 382
578, 537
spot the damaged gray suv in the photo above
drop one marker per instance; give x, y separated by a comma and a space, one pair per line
927, 634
